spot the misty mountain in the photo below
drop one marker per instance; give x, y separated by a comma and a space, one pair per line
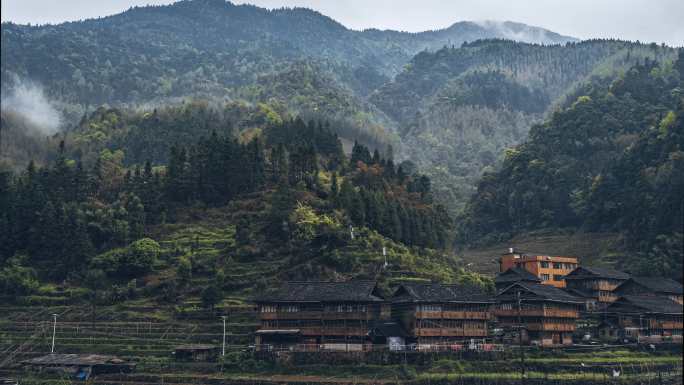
206, 46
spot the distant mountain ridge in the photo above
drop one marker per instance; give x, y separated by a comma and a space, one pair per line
234, 42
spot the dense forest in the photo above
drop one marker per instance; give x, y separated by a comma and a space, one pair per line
204, 46
612, 160
203, 136
72, 221
468, 104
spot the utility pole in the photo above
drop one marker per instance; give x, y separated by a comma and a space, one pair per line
54, 330
520, 344
223, 349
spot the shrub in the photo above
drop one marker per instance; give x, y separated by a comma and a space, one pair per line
133, 261
17, 279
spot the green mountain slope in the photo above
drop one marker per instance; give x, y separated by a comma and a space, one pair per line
459, 108
203, 46
235, 211
610, 161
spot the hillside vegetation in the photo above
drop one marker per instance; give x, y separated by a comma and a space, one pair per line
459, 108
236, 211
610, 161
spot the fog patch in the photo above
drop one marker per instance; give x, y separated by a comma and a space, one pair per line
522, 32
28, 99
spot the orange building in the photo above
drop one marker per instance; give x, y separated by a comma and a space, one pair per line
550, 269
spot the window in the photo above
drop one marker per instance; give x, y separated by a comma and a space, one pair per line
545, 265
430, 308
558, 277
289, 308
557, 265
545, 277
268, 309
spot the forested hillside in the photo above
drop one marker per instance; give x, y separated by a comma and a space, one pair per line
122, 132
467, 104
612, 160
288, 197
204, 46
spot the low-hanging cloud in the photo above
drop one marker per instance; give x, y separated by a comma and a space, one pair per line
29, 100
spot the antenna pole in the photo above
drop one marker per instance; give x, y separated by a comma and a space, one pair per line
223, 348
54, 330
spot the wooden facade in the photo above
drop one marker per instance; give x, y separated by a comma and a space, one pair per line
320, 313
434, 313
644, 317
551, 270
596, 285
545, 315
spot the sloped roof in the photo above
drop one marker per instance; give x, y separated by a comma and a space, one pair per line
437, 292
316, 291
546, 292
515, 274
648, 304
599, 272
656, 284
76, 360
580, 293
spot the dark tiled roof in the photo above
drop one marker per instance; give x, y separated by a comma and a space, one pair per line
580, 293
546, 292
599, 272
648, 304
437, 292
355, 291
75, 359
656, 284
515, 274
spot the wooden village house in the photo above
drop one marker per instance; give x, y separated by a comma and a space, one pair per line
643, 319
595, 285
433, 313
545, 315
325, 315
651, 286
78, 366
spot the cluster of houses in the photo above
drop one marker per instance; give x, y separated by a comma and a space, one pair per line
540, 299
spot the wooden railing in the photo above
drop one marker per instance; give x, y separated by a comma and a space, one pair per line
483, 315
561, 313
450, 332
333, 331
665, 325
320, 315
551, 327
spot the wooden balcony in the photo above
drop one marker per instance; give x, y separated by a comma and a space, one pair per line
667, 325
334, 331
549, 327
450, 332
483, 315
560, 313
312, 315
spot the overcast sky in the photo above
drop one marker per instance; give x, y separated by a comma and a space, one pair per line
645, 20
